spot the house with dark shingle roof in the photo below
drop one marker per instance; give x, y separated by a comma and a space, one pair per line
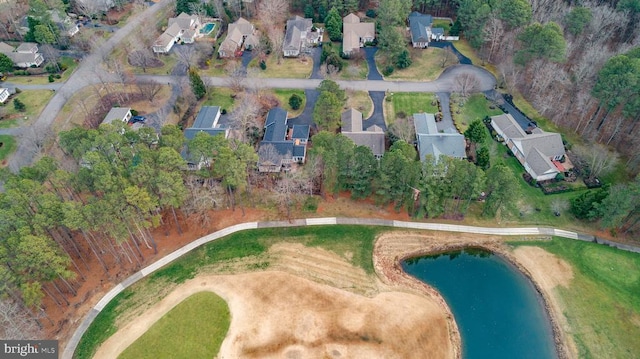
206, 122
238, 33
420, 27
539, 153
373, 137
433, 143
281, 146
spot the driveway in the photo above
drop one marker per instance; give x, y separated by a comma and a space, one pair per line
306, 117
447, 120
316, 55
444, 44
520, 118
377, 117
370, 54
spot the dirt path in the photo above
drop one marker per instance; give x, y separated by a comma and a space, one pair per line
313, 304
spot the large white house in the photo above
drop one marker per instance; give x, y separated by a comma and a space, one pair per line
24, 56
184, 28
356, 34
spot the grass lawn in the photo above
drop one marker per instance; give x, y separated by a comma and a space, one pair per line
195, 328
361, 101
408, 103
601, 304
353, 242
294, 68
425, 67
283, 96
34, 100
354, 71
220, 96
476, 107
44, 78
8, 146
217, 67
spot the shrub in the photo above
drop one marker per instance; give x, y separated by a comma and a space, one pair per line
388, 70
51, 78
372, 13
403, 60
134, 112
310, 204
19, 105
295, 101
263, 65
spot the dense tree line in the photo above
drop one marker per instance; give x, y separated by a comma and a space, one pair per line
575, 62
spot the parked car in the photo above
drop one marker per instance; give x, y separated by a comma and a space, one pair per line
136, 119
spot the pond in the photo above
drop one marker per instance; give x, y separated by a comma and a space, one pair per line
498, 311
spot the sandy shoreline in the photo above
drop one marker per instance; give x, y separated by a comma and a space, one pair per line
391, 291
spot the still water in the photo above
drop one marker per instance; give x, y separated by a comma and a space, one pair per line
497, 309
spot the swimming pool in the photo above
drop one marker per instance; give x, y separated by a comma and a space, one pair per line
207, 28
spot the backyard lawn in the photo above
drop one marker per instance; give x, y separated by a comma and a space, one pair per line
475, 107
195, 328
426, 66
601, 303
283, 96
298, 68
443, 23
7, 147
408, 103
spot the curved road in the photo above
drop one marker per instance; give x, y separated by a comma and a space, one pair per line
526, 231
89, 72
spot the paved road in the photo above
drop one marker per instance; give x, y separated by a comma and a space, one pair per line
84, 325
89, 72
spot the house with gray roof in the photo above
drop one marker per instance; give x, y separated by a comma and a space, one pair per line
238, 33
539, 152
300, 36
433, 143
420, 28
281, 146
183, 28
24, 56
355, 33
118, 114
373, 137
205, 122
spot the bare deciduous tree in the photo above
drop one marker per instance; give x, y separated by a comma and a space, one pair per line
186, 55
16, 323
88, 8
446, 57
276, 36
244, 117
273, 12
466, 83
403, 129
235, 77
36, 137
149, 89
140, 56
493, 31
598, 158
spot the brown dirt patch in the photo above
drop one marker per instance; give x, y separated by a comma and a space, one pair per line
548, 270
299, 318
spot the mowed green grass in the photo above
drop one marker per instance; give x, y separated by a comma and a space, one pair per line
354, 242
602, 303
195, 328
409, 103
283, 96
475, 108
